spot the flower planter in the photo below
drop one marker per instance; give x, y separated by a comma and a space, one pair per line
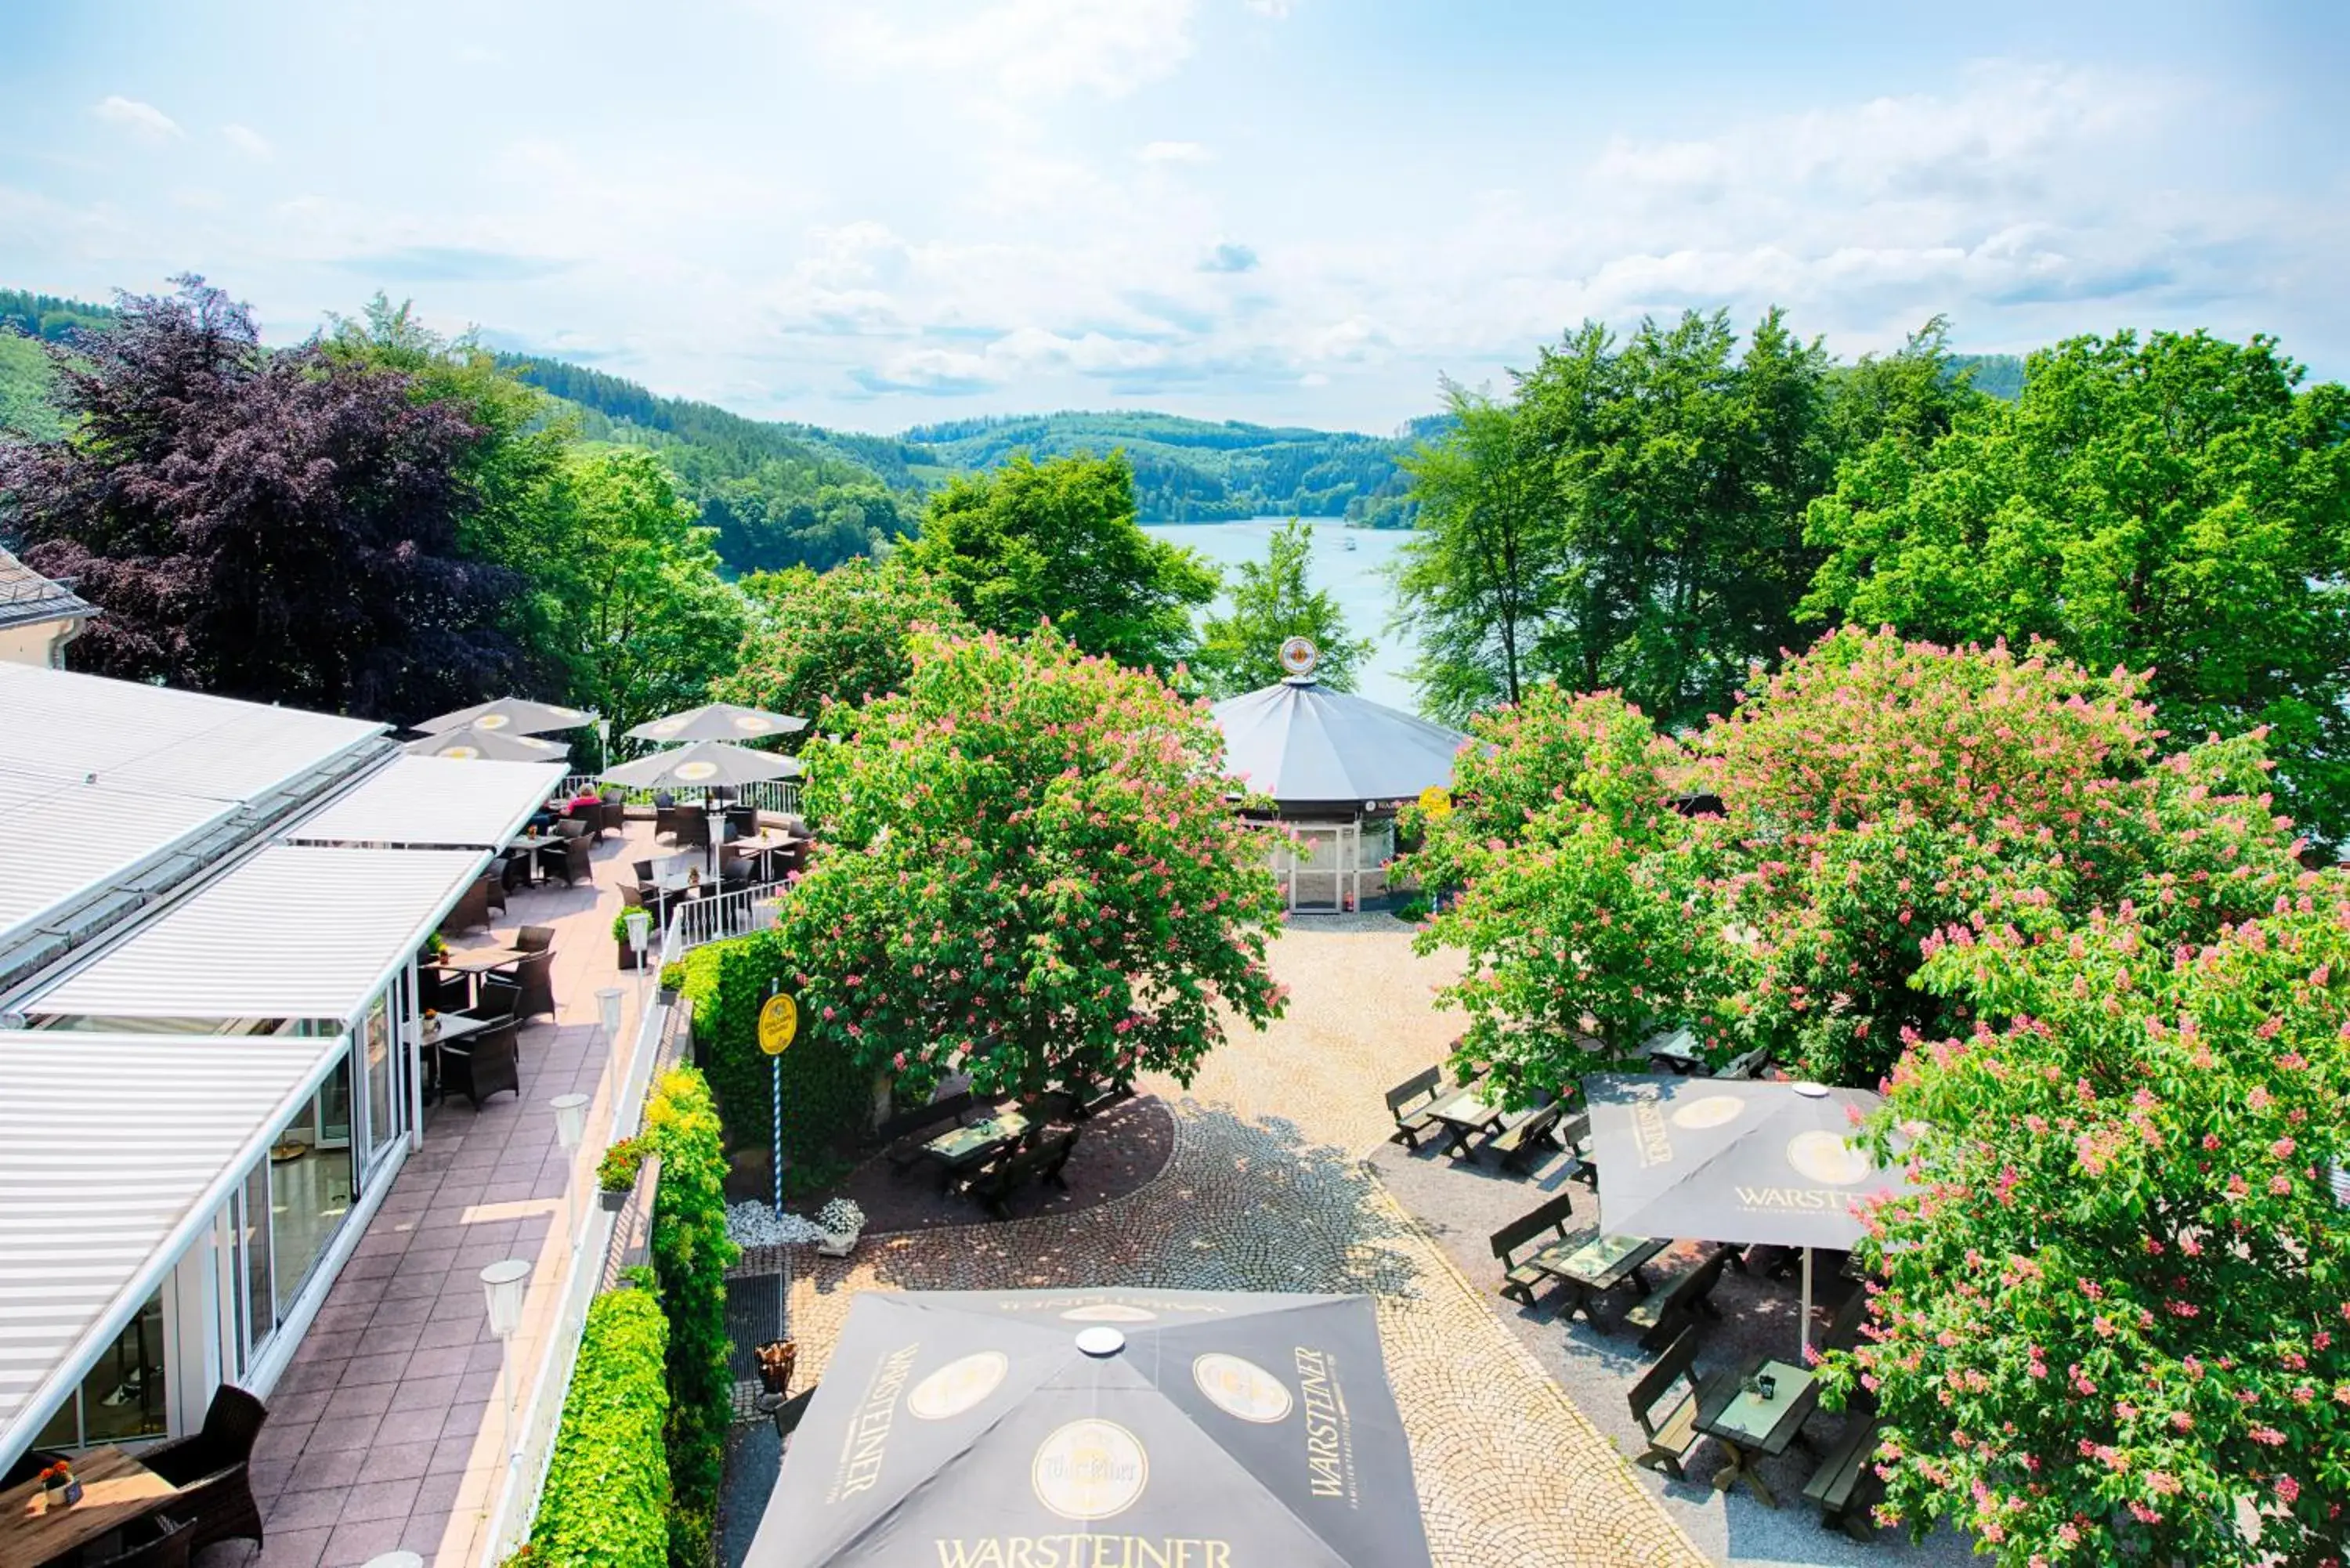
628, 956
839, 1244
614, 1201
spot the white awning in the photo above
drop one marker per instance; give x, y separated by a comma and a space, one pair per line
128, 734
67, 839
433, 802
297, 931
118, 1150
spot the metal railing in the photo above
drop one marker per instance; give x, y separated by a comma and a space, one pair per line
733, 914
778, 797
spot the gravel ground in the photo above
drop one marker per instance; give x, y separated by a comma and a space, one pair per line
1461, 1203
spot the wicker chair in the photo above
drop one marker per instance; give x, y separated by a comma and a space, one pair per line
667, 819
741, 822
612, 815
483, 1065
211, 1472
498, 998
692, 828
472, 911
494, 892
151, 1540
535, 974
441, 989
575, 864
533, 939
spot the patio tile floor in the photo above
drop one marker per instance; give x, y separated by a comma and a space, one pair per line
384, 1433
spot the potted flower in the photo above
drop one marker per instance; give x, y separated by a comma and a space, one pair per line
436, 948
615, 1173
620, 935
59, 1487
842, 1221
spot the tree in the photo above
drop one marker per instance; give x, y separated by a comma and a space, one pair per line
281, 527
2177, 504
638, 613
2116, 1315
1030, 872
690, 1254
1058, 541
1477, 574
1271, 604
837, 638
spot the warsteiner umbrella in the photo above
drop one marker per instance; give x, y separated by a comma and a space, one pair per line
717, 722
704, 763
515, 715
492, 745
1732, 1159
1070, 1428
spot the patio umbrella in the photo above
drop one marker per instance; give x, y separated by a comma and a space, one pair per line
492, 745
717, 722
1064, 1428
1736, 1160
515, 715
704, 763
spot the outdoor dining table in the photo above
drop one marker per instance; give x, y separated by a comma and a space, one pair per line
762, 849
475, 962
965, 1147
116, 1489
1750, 1427
528, 847
1464, 1114
1598, 1266
442, 1029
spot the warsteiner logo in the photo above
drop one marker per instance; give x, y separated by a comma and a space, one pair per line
1089, 1469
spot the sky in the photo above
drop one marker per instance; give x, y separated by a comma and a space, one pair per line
877, 214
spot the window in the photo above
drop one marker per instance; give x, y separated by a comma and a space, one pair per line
383, 1098
122, 1398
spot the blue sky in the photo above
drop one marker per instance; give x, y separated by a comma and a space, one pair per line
1292, 211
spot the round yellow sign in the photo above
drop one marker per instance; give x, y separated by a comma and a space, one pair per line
779, 1022
1436, 800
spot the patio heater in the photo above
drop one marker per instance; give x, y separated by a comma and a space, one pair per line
570, 1131
503, 1283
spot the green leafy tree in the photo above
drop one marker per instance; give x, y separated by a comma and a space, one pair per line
1058, 541
1479, 573
1272, 603
1030, 871
819, 640
2176, 502
606, 1502
2116, 1319
690, 1254
638, 613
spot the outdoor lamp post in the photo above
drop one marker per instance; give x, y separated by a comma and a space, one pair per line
607, 1008
503, 1284
641, 930
717, 810
570, 1131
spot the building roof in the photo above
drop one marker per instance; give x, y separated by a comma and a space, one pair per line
432, 803
120, 1148
1304, 744
27, 599
67, 840
295, 931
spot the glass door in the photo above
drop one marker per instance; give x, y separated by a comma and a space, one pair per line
379, 1071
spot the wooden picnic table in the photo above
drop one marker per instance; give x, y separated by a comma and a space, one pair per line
965, 1147
116, 1489
1598, 1265
1750, 1427
1678, 1052
1463, 1114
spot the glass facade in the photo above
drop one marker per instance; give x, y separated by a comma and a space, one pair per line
311, 1183
122, 1398
383, 1121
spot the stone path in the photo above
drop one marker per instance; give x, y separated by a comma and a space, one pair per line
1265, 1191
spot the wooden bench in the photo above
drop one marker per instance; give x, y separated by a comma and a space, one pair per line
1667, 1310
1522, 1136
1750, 1066
905, 1134
1664, 1403
1518, 1279
995, 1184
1409, 1104
1841, 1487
1573, 1135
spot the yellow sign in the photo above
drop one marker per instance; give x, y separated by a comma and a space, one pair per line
779, 1022
1436, 800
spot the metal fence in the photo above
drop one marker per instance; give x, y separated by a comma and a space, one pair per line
780, 798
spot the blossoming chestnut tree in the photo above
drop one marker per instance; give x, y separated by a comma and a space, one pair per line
2114, 1322
1031, 872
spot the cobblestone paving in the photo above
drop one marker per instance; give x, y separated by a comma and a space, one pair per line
1266, 1191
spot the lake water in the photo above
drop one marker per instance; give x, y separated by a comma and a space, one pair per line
1356, 578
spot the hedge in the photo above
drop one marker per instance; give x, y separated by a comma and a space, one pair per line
605, 1503
826, 1097
690, 1254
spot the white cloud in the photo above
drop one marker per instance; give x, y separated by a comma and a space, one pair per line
1276, 9
247, 140
1174, 152
141, 118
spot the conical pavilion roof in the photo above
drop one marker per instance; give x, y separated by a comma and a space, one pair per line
1304, 744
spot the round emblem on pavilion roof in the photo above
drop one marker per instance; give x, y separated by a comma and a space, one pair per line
1298, 656
1709, 1111
492, 722
1826, 1157
959, 1386
694, 773
463, 754
1110, 1312
752, 724
1241, 1388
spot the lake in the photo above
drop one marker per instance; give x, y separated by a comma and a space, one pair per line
1356, 578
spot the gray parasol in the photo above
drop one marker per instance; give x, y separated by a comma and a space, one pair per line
490, 745
1304, 744
514, 715
717, 722
704, 763
1066, 1429
1736, 1160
